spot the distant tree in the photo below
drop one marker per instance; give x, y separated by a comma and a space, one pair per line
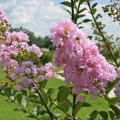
113, 10
39, 41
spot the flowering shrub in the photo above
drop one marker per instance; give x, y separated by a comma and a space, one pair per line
85, 69
18, 58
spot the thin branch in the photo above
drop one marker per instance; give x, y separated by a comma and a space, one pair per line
60, 108
46, 107
73, 108
72, 10
103, 37
77, 11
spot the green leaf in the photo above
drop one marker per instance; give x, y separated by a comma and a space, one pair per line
75, 1
44, 118
59, 69
85, 104
19, 98
69, 13
98, 16
64, 105
79, 105
80, 16
103, 115
82, 10
24, 92
110, 86
63, 93
50, 91
94, 10
68, 4
99, 23
93, 115
86, 20
112, 114
7, 91
82, 1
113, 100
44, 96
42, 84
68, 118
116, 110
117, 54
94, 5
31, 116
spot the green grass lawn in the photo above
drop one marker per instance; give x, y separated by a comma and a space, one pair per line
7, 108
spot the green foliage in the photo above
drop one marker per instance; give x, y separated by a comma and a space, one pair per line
115, 112
77, 12
19, 98
93, 115
103, 115
63, 89
47, 57
79, 105
64, 105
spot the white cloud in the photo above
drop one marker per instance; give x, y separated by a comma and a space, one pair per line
39, 15
6, 4
24, 13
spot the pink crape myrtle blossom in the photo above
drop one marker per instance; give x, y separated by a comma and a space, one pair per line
84, 67
45, 72
32, 71
25, 83
17, 36
2, 16
117, 89
118, 71
35, 49
17, 58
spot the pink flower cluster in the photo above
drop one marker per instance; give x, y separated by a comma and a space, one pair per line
18, 36
84, 67
15, 44
3, 25
29, 71
16, 60
117, 89
118, 72
2, 16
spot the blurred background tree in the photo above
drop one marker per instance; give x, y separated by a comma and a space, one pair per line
113, 10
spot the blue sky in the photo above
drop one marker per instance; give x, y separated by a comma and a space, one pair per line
40, 15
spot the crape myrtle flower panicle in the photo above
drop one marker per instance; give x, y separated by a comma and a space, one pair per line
41, 73
17, 58
25, 83
10, 68
17, 36
36, 50
2, 16
118, 72
84, 67
45, 72
117, 89
29, 68
3, 26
